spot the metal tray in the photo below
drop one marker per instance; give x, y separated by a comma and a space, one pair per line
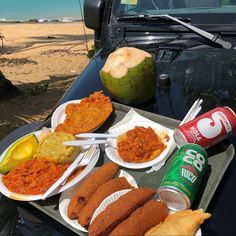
220, 157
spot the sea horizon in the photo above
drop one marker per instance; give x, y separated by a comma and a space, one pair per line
17, 11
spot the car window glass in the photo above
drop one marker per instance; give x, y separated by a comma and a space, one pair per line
209, 11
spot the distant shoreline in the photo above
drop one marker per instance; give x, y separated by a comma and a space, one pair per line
66, 20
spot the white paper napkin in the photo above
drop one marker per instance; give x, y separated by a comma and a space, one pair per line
131, 117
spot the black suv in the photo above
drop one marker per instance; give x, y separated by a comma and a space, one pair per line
193, 43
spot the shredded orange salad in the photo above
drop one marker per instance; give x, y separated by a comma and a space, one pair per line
34, 176
139, 145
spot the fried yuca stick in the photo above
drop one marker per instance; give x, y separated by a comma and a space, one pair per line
89, 186
119, 210
102, 192
142, 219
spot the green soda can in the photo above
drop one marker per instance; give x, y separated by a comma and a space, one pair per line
183, 178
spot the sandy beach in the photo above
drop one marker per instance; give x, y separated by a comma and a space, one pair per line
42, 60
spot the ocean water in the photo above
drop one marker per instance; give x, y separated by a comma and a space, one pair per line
42, 10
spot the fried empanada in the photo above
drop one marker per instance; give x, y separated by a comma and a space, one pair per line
181, 223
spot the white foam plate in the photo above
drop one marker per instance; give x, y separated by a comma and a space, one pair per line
108, 200
24, 197
66, 196
113, 155
59, 115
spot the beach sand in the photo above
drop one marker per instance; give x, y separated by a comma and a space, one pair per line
42, 60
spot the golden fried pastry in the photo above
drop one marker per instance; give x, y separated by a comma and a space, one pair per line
102, 192
181, 223
87, 115
119, 210
139, 145
89, 186
142, 219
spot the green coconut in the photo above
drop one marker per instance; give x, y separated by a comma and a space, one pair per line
129, 74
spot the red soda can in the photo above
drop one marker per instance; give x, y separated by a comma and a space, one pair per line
208, 129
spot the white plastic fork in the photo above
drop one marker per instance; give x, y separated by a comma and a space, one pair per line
85, 142
85, 160
81, 160
96, 135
